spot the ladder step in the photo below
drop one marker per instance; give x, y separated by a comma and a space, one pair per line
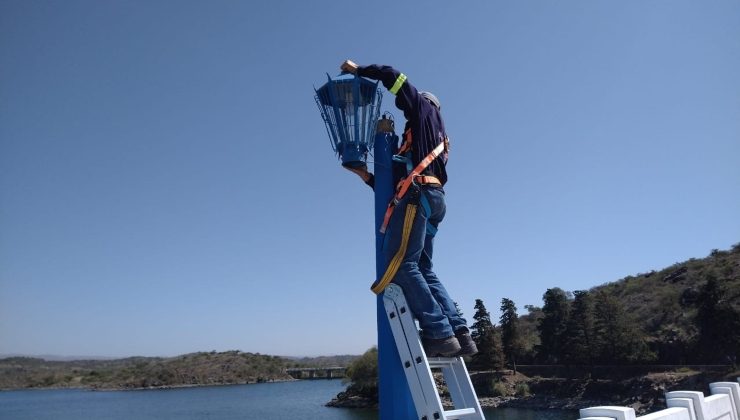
454, 414
438, 362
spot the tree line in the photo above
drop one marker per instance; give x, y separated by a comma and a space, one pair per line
595, 328
688, 313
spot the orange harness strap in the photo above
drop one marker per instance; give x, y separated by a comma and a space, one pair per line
427, 179
406, 183
407, 140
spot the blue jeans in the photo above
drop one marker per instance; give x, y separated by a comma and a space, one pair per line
427, 298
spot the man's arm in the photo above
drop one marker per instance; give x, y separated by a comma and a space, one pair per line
408, 99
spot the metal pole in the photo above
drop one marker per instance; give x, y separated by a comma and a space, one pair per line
394, 395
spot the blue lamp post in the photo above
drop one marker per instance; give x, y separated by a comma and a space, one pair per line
350, 108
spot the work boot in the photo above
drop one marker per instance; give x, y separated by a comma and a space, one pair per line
441, 347
468, 347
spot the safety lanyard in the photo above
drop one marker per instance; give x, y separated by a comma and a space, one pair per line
406, 183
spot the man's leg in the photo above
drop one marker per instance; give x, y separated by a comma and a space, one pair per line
437, 209
432, 319
438, 290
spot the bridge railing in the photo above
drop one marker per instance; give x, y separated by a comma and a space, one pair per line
731, 389
723, 404
627, 413
713, 407
331, 372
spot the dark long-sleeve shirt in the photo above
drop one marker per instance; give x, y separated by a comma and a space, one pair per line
423, 118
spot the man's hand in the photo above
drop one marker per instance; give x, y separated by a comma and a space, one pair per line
349, 66
363, 173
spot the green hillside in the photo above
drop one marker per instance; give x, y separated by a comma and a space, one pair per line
601, 346
663, 308
232, 367
666, 302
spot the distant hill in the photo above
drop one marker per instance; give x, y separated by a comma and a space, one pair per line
232, 367
663, 303
56, 357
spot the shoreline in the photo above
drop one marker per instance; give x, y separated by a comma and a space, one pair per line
644, 393
532, 403
149, 388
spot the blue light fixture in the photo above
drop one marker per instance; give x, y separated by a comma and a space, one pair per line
350, 108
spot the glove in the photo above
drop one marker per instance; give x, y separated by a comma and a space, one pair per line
349, 66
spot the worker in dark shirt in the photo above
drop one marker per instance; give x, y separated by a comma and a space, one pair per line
423, 156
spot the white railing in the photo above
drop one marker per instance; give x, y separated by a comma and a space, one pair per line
626, 413
723, 404
713, 407
731, 389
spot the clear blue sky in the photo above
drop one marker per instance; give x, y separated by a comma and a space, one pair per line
167, 185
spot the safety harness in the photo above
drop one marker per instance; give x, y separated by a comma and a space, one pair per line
414, 177
414, 174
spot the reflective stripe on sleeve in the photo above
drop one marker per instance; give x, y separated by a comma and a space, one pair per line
399, 82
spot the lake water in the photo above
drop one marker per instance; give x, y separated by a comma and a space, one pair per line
269, 401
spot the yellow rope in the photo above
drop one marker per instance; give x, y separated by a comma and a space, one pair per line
395, 263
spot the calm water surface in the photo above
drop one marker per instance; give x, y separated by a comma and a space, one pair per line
271, 401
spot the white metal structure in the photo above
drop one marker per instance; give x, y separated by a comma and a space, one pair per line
627, 413
733, 390
713, 407
418, 368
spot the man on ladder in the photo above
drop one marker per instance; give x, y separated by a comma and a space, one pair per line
409, 234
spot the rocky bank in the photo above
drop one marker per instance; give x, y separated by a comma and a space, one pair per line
644, 393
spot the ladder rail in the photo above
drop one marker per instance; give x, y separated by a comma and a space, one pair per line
453, 386
418, 368
421, 363
413, 380
418, 374
468, 392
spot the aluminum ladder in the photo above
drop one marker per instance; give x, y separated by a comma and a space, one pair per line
418, 368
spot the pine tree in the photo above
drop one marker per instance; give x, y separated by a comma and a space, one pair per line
497, 357
608, 335
552, 326
459, 311
579, 330
718, 323
513, 346
486, 337
617, 338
